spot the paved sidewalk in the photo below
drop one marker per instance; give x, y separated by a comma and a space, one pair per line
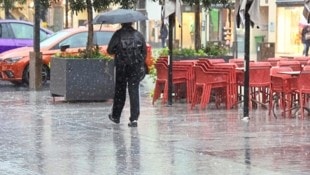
39, 137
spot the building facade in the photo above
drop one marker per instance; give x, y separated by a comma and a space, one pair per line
281, 24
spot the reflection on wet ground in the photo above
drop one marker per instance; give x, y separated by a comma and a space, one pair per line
41, 137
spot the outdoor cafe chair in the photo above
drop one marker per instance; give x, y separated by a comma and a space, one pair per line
259, 83
161, 83
274, 60
303, 84
302, 59
205, 81
306, 67
230, 69
182, 73
238, 61
182, 78
295, 65
282, 91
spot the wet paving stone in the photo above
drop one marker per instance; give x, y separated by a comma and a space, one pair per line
39, 137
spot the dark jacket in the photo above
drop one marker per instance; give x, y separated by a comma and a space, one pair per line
126, 31
163, 32
303, 35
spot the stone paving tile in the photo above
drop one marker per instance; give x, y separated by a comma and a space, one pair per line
39, 137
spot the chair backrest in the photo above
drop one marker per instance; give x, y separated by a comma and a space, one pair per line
274, 60
161, 70
306, 67
209, 77
259, 64
182, 70
259, 74
276, 70
302, 59
239, 61
295, 65
215, 61
303, 81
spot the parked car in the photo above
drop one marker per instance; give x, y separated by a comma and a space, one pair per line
14, 64
17, 33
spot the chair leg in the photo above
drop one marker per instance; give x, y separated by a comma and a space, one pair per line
301, 101
195, 96
158, 90
205, 97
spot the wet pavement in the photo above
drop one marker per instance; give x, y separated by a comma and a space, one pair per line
39, 137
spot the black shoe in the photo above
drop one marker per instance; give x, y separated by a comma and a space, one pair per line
133, 123
113, 119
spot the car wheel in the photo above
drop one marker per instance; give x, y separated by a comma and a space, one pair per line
45, 74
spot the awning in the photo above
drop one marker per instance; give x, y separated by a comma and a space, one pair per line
284, 3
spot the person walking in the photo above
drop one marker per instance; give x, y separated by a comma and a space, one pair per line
129, 49
163, 35
305, 39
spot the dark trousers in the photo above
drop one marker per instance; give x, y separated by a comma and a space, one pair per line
306, 50
127, 76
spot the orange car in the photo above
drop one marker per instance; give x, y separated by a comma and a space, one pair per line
14, 64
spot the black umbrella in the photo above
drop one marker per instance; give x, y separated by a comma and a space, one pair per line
119, 16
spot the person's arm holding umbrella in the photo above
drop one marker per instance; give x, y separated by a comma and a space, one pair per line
113, 45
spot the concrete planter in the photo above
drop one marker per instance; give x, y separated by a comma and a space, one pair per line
82, 79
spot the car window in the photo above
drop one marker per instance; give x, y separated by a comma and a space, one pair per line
4, 31
22, 31
74, 41
43, 35
52, 38
103, 37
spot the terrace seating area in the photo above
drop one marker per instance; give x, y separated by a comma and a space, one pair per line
277, 84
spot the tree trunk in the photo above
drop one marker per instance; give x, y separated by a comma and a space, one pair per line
7, 6
197, 26
90, 27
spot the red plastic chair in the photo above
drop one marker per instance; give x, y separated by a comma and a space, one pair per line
238, 61
282, 90
303, 90
182, 75
216, 61
306, 67
259, 82
204, 82
295, 65
302, 59
274, 60
230, 69
161, 83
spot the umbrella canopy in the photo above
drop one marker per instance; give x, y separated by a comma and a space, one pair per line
119, 16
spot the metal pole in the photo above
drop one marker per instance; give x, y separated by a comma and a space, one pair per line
170, 57
247, 62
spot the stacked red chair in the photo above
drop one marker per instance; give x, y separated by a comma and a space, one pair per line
229, 96
182, 76
274, 60
303, 90
295, 65
238, 61
259, 83
302, 59
161, 84
205, 81
282, 89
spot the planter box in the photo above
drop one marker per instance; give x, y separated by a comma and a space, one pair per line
82, 79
